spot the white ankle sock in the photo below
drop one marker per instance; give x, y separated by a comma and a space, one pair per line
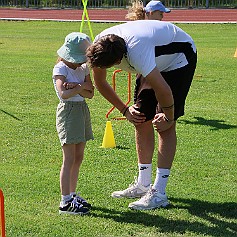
72, 194
145, 172
65, 198
161, 180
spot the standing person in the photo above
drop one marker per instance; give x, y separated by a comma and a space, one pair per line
166, 58
73, 84
154, 10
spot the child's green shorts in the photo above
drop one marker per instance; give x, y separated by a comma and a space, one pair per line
73, 122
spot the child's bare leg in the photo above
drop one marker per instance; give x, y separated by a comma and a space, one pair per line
79, 154
65, 174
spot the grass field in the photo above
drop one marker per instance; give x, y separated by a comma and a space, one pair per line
203, 183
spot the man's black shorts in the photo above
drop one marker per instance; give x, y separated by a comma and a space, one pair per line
179, 81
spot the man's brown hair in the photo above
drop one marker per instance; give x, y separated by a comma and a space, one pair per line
106, 51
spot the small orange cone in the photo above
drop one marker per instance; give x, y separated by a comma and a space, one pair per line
108, 140
2, 215
235, 56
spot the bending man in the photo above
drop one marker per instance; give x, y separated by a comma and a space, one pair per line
166, 58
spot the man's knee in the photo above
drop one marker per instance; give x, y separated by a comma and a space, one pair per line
169, 132
147, 125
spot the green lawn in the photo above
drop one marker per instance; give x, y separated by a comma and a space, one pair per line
203, 183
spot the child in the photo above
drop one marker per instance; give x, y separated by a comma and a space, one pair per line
72, 84
154, 10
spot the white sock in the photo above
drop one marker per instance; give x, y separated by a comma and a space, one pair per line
65, 198
72, 194
145, 172
161, 180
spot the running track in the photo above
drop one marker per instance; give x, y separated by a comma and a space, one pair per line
118, 15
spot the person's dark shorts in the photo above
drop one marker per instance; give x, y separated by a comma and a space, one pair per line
179, 81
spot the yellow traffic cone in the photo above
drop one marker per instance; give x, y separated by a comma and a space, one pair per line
108, 140
235, 56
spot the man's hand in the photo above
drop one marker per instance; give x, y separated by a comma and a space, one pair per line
134, 116
160, 122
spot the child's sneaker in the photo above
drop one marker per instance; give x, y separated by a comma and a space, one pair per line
73, 208
81, 201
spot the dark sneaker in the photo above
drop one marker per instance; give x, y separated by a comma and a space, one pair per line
73, 208
81, 201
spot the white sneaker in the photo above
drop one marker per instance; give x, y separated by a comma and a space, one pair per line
135, 190
153, 199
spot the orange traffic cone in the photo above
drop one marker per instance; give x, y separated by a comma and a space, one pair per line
2, 215
108, 140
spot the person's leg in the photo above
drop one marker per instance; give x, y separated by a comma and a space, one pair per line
167, 147
145, 100
166, 153
78, 157
156, 196
68, 205
144, 135
65, 173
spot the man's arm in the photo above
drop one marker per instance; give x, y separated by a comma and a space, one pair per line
163, 92
106, 90
109, 94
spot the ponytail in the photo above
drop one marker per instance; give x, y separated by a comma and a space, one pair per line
136, 11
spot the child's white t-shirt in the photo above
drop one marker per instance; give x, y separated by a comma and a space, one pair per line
150, 44
78, 75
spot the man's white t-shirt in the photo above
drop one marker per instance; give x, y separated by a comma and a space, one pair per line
78, 75
151, 43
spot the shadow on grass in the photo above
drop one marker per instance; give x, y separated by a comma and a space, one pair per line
5, 112
212, 123
214, 219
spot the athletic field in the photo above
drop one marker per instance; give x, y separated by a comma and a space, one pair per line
203, 182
